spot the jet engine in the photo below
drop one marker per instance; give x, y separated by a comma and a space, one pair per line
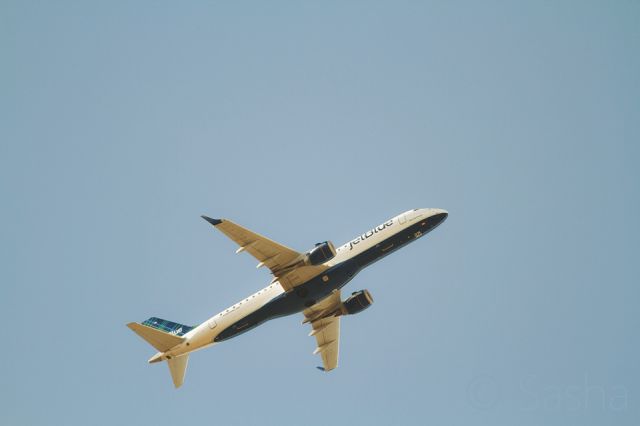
321, 253
357, 302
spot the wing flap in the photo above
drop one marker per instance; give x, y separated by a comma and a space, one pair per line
326, 329
328, 341
273, 255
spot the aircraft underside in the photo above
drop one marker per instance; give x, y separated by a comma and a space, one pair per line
303, 282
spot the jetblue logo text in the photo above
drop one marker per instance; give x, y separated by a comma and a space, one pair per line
370, 233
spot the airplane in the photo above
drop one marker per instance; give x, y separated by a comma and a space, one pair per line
309, 282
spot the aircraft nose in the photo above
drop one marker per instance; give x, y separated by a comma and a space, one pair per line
438, 216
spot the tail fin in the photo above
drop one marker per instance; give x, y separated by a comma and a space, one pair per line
159, 333
164, 335
177, 367
168, 326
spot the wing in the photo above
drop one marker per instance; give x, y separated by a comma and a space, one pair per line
274, 256
326, 328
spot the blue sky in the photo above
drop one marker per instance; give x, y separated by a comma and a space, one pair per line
122, 122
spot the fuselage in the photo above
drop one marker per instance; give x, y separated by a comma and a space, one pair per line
273, 302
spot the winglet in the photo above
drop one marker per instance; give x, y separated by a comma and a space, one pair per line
214, 222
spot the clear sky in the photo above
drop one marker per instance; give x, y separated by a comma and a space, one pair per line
121, 122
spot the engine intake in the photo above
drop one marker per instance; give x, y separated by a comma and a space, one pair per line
358, 302
321, 253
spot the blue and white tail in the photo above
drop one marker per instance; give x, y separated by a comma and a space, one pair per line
164, 335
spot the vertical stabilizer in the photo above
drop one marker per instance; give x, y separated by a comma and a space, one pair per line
177, 367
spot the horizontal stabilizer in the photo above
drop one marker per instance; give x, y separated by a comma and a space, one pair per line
177, 367
160, 340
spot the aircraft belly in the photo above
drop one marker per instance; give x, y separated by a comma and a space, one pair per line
295, 301
319, 287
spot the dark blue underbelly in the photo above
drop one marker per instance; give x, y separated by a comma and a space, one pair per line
295, 301
317, 289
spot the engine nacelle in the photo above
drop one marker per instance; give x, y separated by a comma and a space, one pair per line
358, 302
321, 253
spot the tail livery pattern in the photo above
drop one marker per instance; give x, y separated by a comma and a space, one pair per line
164, 335
168, 326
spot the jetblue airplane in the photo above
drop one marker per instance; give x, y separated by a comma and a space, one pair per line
307, 282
